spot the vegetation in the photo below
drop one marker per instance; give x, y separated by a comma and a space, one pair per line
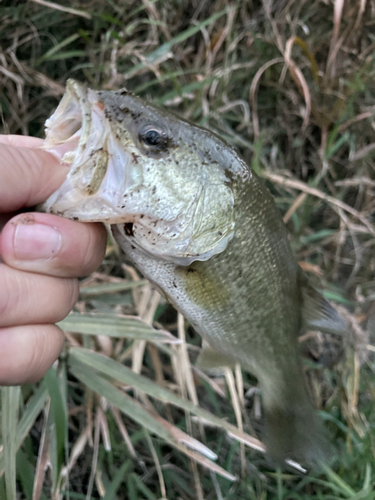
290, 84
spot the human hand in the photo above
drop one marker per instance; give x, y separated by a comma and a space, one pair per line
41, 255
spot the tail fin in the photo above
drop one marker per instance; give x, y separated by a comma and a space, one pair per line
295, 432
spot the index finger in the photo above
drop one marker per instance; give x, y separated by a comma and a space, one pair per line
21, 141
28, 175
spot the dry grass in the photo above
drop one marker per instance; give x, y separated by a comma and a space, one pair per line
289, 83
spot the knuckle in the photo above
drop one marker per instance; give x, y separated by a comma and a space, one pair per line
93, 249
10, 291
83, 252
72, 293
37, 352
27, 297
66, 298
45, 346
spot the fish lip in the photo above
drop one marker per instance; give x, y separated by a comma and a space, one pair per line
59, 141
75, 92
80, 93
81, 197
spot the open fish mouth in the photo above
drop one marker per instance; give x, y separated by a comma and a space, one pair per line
79, 133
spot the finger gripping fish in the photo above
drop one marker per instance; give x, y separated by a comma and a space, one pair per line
201, 226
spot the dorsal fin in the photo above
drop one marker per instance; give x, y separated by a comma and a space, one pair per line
317, 312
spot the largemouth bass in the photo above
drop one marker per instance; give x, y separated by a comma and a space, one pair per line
202, 227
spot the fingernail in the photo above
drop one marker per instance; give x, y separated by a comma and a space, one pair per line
36, 241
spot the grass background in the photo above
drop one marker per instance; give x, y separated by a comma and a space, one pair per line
290, 85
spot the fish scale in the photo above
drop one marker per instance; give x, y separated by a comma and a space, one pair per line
202, 227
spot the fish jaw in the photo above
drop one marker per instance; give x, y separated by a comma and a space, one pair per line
100, 172
179, 201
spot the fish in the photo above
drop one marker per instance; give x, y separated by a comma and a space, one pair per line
204, 229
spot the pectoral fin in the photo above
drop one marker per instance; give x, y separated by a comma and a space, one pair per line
318, 314
213, 361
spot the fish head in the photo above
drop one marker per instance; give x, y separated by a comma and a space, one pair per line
169, 181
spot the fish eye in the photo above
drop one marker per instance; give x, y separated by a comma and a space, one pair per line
153, 137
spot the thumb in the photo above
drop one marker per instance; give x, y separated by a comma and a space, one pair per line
28, 175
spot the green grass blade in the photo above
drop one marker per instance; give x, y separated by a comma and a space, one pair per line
336, 297
59, 413
10, 398
339, 482
122, 286
319, 235
333, 148
167, 46
114, 326
30, 413
365, 494
116, 397
25, 472
49, 55
117, 480
123, 374
153, 423
131, 491
2, 487
367, 480
146, 492
191, 87
67, 55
